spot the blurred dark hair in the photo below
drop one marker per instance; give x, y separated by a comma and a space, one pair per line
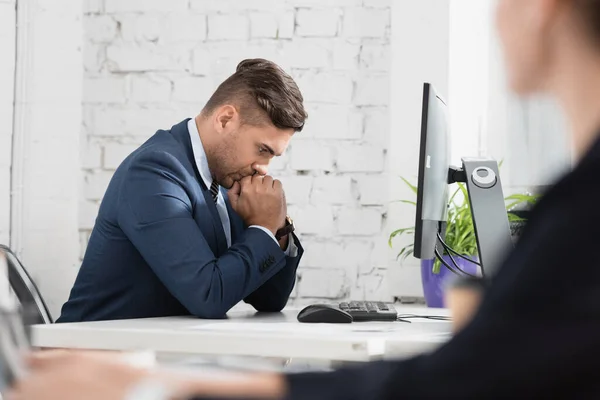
589, 12
261, 89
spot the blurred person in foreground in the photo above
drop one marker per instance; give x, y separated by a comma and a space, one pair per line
536, 332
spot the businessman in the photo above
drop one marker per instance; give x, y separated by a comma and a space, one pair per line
170, 240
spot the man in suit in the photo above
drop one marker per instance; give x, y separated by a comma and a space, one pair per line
169, 240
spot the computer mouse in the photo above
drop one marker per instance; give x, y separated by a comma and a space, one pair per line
324, 313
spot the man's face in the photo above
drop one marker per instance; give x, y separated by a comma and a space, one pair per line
243, 150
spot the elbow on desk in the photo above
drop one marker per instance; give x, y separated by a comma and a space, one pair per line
209, 311
270, 306
209, 308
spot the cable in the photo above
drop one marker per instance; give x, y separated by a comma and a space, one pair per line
451, 250
460, 269
438, 255
453, 260
433, 317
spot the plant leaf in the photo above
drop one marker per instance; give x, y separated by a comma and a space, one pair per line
412, 203
410, 185
399, 232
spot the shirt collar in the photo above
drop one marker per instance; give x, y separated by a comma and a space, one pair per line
199, 153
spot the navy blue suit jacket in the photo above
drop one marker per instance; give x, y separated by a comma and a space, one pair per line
158, 246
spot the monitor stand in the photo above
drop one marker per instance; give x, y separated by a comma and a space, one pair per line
488, 210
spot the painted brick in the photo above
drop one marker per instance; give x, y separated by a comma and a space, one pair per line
360, 158
346, 54
227, 7
148, 88
333, 189
88, 211
317, 22
371, 288
327, 283
93, 6
132, 57
377, 126
185, 27
325, 87
145, 27
365, 23
228, 27
287, 23
100, 28
141, 6
121, 121
279, 164
115, 153
377, 3
313, 219
375, 56
193, 89
373, 189
96, 184
324, 3
94, 56
169, 28
372, 90
306, 53
91, 155
359, 221
333, 122
106, 89
263, 25
309, 155
297, 189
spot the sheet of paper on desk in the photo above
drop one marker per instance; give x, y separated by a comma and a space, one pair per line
295, 328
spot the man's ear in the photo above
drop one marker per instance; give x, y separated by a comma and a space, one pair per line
225, 117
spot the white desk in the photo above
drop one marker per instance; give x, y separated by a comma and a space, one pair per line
247, 333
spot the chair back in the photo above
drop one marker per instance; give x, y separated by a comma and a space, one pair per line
34, 307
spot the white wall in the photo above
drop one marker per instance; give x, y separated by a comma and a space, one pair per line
45, 166
148, 65
420, 53
7, 75
528, 135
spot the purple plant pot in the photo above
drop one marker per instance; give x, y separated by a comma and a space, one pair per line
435, 284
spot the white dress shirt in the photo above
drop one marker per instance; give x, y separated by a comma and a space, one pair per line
202, 165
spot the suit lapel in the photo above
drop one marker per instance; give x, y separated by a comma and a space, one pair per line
181, 132
236, 222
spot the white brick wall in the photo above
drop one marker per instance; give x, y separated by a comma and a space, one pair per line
317, 22
151, 63
228, 27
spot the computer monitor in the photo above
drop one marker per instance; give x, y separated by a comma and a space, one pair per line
482, 181
432, 185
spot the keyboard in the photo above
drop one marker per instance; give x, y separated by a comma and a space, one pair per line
369, 311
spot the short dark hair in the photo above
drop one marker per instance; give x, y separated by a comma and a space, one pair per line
589, 12
260, 87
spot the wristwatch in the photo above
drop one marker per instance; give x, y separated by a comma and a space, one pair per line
287, 228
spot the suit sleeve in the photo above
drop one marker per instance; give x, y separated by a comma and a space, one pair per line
274, 294
155, 212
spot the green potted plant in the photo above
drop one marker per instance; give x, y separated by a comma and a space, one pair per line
460, 236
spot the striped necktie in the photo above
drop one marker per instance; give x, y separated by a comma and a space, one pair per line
214, 190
